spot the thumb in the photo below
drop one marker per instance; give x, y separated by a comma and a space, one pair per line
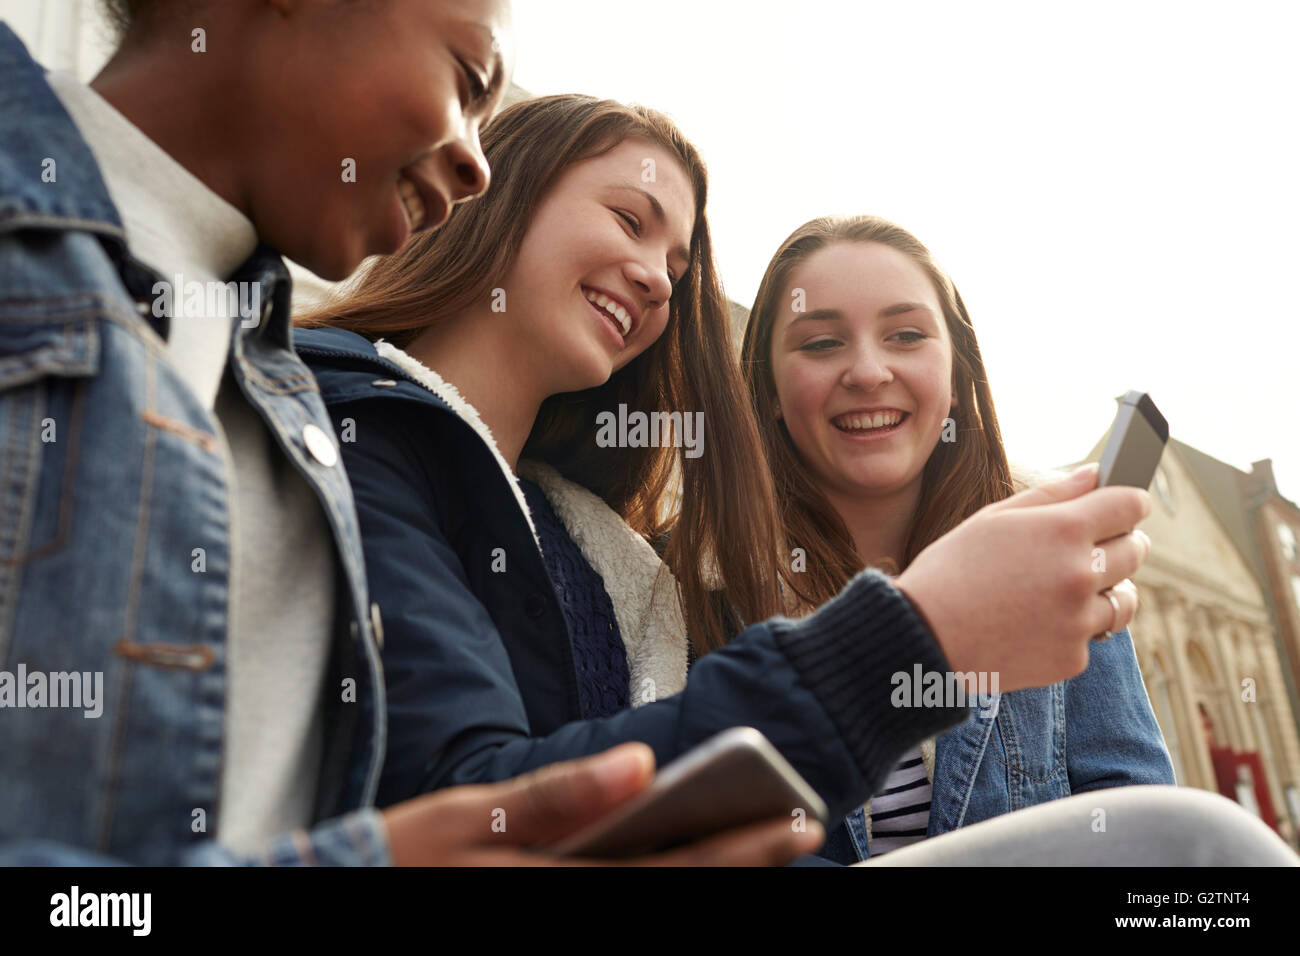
557, 800
1079, 482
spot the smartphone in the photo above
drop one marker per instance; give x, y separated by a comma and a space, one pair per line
732, 779
1137, 440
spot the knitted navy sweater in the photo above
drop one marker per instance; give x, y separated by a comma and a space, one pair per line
604, 684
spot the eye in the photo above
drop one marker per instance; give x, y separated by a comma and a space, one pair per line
631, 220
821, 345
911, 338
477, 91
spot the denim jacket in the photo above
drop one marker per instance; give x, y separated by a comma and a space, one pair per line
110, 478
1091, 732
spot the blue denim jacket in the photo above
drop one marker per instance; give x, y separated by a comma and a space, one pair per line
109, 479
1090, 732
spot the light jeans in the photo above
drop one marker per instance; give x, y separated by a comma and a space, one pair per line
1123, 826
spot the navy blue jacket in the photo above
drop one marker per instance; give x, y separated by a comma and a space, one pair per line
478, 662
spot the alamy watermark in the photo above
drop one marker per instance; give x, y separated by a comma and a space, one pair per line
651, 430
212, 299
946, 689
75, 908
77, 689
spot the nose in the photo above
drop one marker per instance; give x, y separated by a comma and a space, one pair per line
653, 282
867, 370
467, 167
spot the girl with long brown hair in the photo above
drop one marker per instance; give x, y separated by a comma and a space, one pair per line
866, 376
508, 528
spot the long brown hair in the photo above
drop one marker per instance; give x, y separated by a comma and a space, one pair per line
727, 516
959, 478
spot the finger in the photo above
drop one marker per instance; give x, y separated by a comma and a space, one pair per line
1070, 487
1114, 617
774, 843
1126, 593
1111, 511
555, 801
1120, 558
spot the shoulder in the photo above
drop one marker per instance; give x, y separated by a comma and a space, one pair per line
321, 343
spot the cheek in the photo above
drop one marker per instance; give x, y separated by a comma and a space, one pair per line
803, 389
805, 386
934, 387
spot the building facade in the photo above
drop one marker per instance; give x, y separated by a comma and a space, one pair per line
1207, 642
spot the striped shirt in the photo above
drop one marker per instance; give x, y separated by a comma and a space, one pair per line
900, 813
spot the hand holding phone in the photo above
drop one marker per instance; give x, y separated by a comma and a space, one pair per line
733, 779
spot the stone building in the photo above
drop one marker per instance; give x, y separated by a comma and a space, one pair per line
1207, 637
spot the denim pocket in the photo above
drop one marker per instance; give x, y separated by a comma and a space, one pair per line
1030, 745
29, 350
43, 371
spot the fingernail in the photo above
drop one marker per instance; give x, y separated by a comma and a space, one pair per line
628, 765
811, 839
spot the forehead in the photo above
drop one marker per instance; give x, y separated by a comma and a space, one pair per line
644, 165
487, 22
867, 276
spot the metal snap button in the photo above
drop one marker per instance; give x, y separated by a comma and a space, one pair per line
320, 446
384, 383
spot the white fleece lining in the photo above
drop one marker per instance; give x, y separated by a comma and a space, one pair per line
467, 413
641, 588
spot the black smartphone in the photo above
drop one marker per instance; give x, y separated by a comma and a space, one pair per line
732, 779
1137, 440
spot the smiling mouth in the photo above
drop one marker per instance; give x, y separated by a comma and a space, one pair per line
879, 423
615, 312
416, 213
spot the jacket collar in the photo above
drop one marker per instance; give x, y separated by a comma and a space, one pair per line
48, 175
49, 179
346, 365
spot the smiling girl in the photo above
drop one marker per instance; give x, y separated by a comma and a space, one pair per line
866, 376
527, 618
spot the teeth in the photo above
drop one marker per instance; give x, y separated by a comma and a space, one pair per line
415, 211
602, 301
864, 421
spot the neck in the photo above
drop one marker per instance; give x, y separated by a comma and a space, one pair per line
502, 391
879, 525
157, 93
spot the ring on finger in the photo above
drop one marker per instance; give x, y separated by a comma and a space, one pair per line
1109, 595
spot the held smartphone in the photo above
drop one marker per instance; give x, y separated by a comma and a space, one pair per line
1137, 439
732, 779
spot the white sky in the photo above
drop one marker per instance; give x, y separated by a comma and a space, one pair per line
1114, 186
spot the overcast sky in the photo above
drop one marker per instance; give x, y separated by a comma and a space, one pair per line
1114, 186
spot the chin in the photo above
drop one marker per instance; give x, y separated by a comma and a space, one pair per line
588, 373
878, 482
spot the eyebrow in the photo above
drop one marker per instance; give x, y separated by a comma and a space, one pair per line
657, 208
835, 315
